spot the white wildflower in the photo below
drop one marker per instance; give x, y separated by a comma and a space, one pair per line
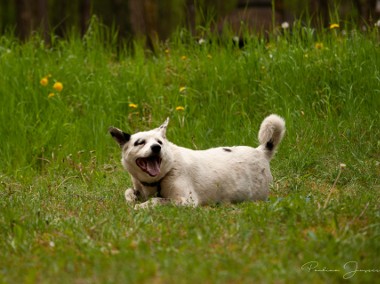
285, 25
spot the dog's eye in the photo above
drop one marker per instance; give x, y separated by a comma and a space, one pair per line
139, 142
159, 142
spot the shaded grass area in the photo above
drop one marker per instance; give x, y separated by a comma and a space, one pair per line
63, 218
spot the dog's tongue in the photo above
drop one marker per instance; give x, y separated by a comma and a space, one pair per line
150, 165
153, 167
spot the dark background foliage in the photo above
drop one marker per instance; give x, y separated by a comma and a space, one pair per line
158, 19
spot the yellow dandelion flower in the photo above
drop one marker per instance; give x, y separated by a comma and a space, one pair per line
182, 89
131, 105
44, 81
334, 26
58, 86
319, 45
179, 108
51, 95
183, 57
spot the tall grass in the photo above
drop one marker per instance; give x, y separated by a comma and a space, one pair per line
287, 75
63, 215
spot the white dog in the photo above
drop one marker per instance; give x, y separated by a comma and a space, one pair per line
163, 172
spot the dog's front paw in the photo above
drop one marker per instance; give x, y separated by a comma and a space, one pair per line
152, 203
144, 205
130, 195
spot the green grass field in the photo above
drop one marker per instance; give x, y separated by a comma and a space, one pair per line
63, 218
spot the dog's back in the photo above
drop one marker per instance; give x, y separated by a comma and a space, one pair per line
230, 174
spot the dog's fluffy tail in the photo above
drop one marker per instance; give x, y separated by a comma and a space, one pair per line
271, 132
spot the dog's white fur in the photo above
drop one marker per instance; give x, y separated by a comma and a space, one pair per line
197, 177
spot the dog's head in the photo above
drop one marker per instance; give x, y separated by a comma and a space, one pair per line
145, 155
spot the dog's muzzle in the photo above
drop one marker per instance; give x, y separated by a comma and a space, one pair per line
151, 165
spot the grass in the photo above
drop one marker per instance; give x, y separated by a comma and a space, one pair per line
63, 218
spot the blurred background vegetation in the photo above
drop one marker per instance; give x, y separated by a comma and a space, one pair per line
153, 20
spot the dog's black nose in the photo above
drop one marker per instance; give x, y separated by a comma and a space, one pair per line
155, 148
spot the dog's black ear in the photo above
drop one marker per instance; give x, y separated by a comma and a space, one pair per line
120, 136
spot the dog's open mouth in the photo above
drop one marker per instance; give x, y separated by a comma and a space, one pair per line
150, 165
